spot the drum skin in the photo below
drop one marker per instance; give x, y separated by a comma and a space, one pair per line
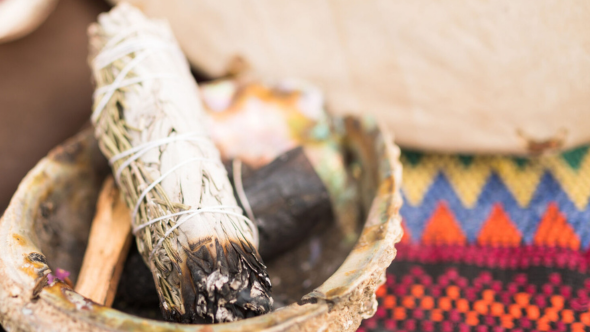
459, 76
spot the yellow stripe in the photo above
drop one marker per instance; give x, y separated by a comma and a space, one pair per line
575, 183
522, 181
417, 179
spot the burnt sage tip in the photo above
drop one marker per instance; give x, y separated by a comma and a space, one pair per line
222, 283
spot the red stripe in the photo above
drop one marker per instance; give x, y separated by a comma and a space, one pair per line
490, 257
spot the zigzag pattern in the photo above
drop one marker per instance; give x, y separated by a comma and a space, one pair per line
490, 244
521, 176
523, 192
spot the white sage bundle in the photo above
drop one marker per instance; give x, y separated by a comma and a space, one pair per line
151, 126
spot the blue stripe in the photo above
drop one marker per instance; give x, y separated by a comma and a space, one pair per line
495, 192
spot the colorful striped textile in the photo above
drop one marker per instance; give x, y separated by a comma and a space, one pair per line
492, 243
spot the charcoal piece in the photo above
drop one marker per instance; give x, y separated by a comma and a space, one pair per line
288, 199
136, 292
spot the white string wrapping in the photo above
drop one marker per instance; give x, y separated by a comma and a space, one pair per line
237, 175
132, 46
111, 53
131, 81
217, 209
140, 150
117, 83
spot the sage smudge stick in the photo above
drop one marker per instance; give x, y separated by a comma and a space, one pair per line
150, 123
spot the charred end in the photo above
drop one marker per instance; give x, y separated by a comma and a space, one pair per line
222, 281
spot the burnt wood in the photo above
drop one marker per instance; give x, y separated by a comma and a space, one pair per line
288, 199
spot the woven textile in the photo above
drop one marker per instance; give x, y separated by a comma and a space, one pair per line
491, 244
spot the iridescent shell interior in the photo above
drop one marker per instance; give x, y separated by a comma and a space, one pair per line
328, 280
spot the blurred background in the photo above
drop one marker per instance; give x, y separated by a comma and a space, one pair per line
45, 89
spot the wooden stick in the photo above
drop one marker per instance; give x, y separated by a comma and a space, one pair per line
108, 245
